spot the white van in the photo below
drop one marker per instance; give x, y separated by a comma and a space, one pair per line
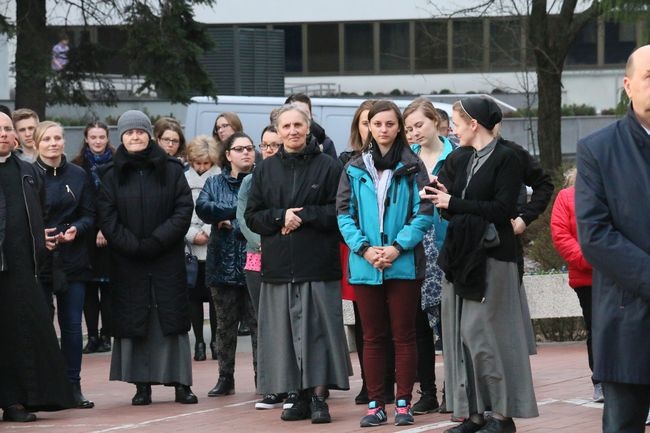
334, 115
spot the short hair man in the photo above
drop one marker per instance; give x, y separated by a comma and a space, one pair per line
25, 122
316, 132
612, 208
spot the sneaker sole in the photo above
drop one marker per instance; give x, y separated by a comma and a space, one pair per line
321, 420
262, 406
404, 423
370, 424
424, 412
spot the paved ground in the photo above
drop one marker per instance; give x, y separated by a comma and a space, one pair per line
560, 371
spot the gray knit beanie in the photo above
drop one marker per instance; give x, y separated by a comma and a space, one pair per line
134, 119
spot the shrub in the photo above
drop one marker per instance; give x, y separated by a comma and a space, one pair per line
578, 110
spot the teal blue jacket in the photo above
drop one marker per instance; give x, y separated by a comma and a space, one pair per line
405, 222
439, 223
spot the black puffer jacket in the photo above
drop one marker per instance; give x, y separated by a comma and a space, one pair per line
68, 202
145, 208
308, 180
227, 247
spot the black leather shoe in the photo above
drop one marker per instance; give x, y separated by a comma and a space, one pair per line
494, 425
142, 396
199, 351
362, 397
467, 426
91, 345
225, 386
185, 395
213, 349
104, 344
80, 401
17, 413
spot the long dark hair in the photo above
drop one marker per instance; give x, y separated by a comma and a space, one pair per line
80, 158
356, 140
381, 106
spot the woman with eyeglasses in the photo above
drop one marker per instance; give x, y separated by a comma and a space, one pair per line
69, 219
271, 143
291, 204
169, 136
225, 125
217, 205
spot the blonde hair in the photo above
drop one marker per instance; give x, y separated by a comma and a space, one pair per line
42, 127
203, 146
426, 106
570, 177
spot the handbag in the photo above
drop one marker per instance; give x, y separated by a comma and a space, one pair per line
191, 266
491, 237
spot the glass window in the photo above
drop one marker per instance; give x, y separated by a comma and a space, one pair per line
505, 43
394, 46
468, 44
620, 41
431, 45
359, 47
323, 46
292, 47
584, 49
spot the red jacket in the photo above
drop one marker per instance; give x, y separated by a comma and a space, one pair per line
565, 238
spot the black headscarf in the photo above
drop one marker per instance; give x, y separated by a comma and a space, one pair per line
484, 110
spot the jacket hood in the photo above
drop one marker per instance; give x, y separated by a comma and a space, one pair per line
311, 149
153, 156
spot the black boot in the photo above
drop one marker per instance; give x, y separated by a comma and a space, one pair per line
199, 351
362, 397
185, 395
17, 413
80, 401
225, 386
142, 396
104, 344
213, 348
91, 345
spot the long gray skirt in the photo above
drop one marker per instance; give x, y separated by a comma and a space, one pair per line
156, 358
487, 348
301, 341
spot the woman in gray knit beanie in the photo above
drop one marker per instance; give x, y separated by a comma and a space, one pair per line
145, 208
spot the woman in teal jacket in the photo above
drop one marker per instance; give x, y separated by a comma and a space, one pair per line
383, 222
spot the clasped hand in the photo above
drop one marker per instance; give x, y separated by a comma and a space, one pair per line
291, 220
381, 257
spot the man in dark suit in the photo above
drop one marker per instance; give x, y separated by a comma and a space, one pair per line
612, 208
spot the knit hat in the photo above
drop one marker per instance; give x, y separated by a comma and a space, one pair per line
484, 110
134, 119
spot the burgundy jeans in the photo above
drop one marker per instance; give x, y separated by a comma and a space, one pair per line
393, 304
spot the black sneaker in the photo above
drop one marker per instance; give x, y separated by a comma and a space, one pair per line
467, 426
270, 401
376, 415
320, 412
403, 413
291, 399
428, 403
297, 411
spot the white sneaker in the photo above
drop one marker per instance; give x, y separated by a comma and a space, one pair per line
598, 393
647, 421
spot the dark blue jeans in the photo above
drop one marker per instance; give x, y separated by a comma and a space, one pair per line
626, 407
70, 306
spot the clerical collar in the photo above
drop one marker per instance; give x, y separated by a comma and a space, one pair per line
4, 159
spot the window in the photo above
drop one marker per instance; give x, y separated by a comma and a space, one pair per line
468, 44
584, 49
394, 46
292, 47
505, 43
431, 45
620, 41
323, 47
359, 47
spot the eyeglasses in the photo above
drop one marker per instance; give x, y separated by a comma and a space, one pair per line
7, 129
274, 146
170, 141
240, 149
222, 126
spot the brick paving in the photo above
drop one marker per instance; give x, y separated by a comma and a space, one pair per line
560, 372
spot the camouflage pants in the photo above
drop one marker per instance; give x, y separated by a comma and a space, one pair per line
233, 305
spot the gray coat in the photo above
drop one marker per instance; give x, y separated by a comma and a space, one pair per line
612, 208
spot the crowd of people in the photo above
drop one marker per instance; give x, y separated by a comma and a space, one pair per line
419, 228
